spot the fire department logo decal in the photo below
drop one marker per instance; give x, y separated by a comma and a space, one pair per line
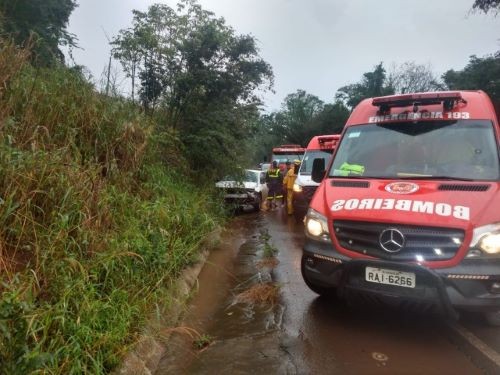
401, 187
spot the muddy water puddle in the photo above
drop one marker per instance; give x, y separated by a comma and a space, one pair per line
225, 314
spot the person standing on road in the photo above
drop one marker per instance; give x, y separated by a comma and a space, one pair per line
288, 182
274, 181
285, 190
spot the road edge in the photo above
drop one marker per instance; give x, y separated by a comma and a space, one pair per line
145, 355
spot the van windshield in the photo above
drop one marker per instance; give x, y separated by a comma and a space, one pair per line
310, 155
463, 149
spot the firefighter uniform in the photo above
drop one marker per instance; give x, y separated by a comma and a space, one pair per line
274, 180
288, 182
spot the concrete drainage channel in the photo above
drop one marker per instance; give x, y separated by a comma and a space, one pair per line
234, 307
237, 309
144, 358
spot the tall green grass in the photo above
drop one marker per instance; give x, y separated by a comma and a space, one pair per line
97, 219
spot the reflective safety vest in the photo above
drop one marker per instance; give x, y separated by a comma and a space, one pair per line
273, 176
347, 169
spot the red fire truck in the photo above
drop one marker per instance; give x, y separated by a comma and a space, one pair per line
320, 146
408, 208
285, 153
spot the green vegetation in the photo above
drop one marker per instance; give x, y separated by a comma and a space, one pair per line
196, 73
487, 6
104, 200
269, 250
203, 341
480, 73
41, 23
97, 219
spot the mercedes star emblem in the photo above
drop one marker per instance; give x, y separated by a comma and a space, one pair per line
392, 240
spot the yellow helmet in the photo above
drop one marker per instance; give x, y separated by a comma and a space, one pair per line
296, 162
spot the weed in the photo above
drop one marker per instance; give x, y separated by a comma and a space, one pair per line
203, 341
269, 250
261, 293
267, 262
264, 235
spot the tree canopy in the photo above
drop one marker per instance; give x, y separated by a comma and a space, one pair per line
43, 22
481, 73
372, 84
412, 77
487, 5
198, 75
301, 117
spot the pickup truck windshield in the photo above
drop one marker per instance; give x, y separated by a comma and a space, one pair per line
463, 149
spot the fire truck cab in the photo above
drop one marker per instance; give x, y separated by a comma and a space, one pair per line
284, 153
409, 206
320, 146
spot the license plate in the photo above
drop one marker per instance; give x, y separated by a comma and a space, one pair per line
390, 277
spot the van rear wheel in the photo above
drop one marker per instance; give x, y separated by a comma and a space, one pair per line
319, 289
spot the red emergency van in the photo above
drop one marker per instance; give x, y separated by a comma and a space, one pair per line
284, 153
409, 207
320, 146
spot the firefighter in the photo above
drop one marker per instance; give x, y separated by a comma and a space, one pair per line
274, 181
285, 190
288, 181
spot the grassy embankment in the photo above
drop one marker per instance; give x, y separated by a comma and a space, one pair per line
96, 220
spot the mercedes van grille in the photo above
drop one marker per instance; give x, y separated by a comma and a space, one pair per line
420, 243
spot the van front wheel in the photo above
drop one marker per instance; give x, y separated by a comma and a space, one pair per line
493, 318
321, 290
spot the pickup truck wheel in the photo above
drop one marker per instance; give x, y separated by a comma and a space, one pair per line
258, 202
321, 290
493, 318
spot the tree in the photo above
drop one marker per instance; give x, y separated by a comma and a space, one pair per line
487, 5
200, 58
372, 84
330, 120
298, 112
44, 21
198, 76
479, 74
302, 117
412, 77
125, 48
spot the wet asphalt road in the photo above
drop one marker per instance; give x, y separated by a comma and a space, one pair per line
302, 333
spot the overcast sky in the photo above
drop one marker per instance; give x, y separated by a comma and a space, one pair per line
317, 45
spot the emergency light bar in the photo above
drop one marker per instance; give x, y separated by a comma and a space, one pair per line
449, 100
328, 141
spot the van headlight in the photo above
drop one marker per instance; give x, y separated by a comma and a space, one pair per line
486, 239
316, 226
297, 188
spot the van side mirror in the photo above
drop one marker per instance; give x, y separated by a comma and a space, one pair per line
318, 170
